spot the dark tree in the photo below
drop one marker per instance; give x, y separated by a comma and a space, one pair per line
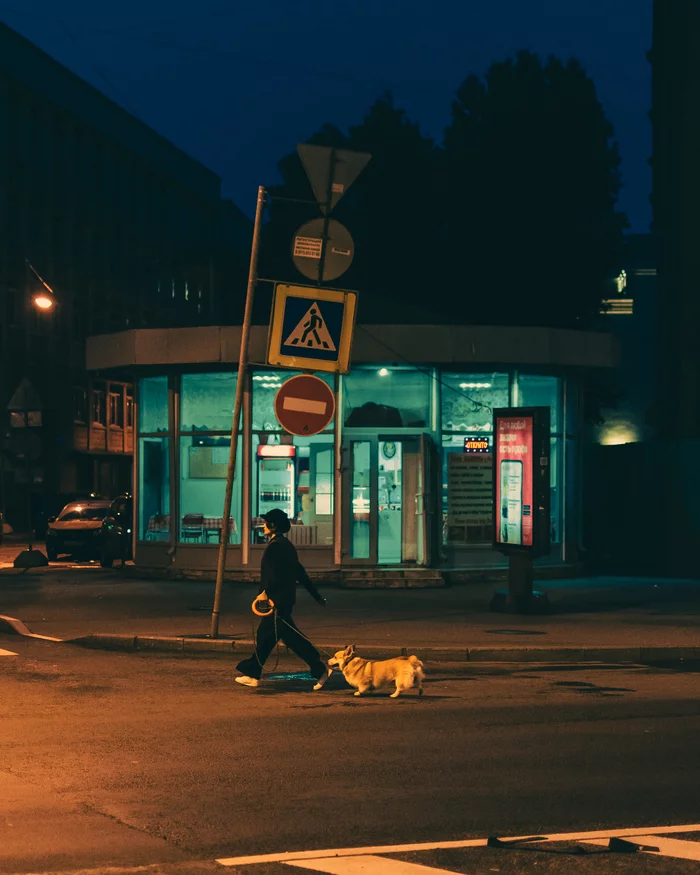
394, 211
532, 181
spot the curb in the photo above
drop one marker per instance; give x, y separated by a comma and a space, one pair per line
613, 654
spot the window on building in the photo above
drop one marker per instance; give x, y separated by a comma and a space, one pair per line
116, 408
539, 391
99, 409
206, 413
153, 405
203, 468
294, 474
154, 489
290, 472
387, 397
468, 401
206, 401
129, 409
80, 413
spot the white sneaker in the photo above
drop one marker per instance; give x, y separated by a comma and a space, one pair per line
324, 677
246, 681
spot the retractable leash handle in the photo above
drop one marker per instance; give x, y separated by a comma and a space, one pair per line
262, 605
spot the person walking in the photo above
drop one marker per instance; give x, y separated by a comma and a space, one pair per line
280, 571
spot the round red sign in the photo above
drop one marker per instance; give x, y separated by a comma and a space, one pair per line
304, 405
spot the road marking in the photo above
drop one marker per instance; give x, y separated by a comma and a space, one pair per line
7, 653
289, 856
367, 865
683, 850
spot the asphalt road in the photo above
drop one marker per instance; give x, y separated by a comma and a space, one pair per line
130, 760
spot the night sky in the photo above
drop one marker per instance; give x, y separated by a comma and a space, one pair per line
237, 84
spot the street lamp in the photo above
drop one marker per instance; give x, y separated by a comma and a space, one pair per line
43, 299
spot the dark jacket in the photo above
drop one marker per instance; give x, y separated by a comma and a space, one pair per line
280, 570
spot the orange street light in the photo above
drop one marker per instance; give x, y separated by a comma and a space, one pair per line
43, 300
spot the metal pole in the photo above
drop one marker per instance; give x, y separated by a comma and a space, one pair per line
327, 217
240, 385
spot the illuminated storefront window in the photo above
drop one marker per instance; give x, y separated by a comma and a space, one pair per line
154, 489
153, 460
206, 402
153, 405
206, 413
388, 397
290, 472
468, 401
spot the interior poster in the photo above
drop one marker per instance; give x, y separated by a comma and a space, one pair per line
469, 490
514, 480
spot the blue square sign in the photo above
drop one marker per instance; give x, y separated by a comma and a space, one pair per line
311, 328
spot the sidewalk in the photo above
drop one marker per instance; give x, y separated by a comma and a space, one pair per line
611, 619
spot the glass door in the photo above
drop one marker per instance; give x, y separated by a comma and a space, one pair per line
387, 500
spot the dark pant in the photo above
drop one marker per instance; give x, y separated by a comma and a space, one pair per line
285, 629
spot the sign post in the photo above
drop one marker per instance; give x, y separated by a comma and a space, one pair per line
520, 499
240, 386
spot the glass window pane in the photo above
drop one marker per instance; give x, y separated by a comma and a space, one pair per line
360, 543
387, 397
153, 405
468, 400
203, 467
206, 401
534, 391
266, 384
556, 492
294, 474
467, 493
154, 489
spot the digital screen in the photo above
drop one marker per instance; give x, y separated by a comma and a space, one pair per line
514, 473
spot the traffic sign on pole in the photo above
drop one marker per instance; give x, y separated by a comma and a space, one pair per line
307, 250
311, 328
331, 171
304, 405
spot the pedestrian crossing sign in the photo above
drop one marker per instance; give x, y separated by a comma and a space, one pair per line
311, 328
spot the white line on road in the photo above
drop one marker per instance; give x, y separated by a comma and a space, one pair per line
367, 865
7, 653
289, 856
682, 850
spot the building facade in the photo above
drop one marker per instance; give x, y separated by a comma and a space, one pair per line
669, 460
391, 482
127, 231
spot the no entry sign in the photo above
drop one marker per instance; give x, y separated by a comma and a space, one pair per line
304, 405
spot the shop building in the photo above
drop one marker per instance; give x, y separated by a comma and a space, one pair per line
401, 479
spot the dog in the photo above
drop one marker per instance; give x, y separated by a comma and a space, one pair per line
370, 674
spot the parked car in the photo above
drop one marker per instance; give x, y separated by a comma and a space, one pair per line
117, 532
77, 530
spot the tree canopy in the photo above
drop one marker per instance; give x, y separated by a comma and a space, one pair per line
511, 220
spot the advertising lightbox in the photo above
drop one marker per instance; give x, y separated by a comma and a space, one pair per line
521, 480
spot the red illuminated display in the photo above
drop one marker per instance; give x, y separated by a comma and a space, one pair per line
514, 480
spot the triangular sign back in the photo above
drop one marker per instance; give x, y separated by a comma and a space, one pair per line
318, 160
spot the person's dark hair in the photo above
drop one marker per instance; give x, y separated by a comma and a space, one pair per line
277, 520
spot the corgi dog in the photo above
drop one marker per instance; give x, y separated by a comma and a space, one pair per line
371, 674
